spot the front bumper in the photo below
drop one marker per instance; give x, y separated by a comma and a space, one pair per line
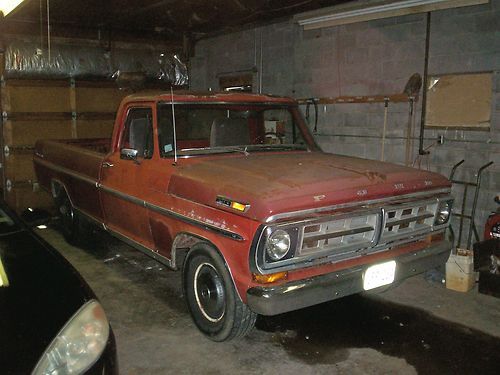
303, 293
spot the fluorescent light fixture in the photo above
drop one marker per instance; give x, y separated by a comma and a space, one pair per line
7, 6
370, 10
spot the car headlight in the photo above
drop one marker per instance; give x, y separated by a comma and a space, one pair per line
278, 244
78, 345
443, 212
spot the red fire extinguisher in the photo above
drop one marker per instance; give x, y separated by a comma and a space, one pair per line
492, 227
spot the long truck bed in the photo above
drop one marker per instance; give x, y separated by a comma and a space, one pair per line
75, 164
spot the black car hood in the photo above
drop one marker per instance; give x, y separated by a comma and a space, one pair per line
44, 292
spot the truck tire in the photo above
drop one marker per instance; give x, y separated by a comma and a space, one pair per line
211, 297
76, 230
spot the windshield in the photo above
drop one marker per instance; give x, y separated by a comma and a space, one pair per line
215, 128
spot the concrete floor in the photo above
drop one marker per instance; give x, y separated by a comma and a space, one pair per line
417, 327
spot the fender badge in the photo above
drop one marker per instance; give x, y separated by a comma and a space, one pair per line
319, 198
227, 202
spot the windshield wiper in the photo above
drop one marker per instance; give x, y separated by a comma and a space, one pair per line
214, 150
277, 147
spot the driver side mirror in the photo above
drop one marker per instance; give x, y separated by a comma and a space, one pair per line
128, 154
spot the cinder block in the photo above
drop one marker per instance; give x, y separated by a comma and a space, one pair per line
356, 119
383, 22
355, 55
346, 41
412, 18
410, 51
356, 149
486, 61
487, 22
370, 37
311, 34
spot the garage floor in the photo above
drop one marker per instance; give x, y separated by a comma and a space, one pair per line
417, 327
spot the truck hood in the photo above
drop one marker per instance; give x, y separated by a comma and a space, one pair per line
276, 183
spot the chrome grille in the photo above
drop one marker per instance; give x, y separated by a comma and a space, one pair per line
366, 229
342, 234
408, 219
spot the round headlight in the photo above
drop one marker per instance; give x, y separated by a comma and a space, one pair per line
78, 345
278, 244
443, 213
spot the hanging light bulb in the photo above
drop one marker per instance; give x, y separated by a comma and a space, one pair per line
7, 6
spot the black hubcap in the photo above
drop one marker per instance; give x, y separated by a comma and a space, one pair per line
209, 291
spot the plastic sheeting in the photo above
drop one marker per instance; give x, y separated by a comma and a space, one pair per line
25, 60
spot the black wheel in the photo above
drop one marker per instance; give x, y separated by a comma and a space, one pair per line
75, 229
212, 300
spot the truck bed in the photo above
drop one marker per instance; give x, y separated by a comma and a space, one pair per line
99, 145
83, 157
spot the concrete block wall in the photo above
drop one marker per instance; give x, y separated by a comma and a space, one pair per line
368, 58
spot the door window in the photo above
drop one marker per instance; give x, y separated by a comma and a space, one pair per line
138, 132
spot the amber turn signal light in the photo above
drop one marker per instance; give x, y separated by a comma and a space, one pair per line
238, 206
271, 278
434, 237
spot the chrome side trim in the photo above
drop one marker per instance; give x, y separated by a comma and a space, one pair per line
291, 214
73, 174
143, 249
119, 194
140, 202
206, 226
91, 218
173, 214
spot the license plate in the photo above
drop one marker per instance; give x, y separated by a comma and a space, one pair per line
379, 275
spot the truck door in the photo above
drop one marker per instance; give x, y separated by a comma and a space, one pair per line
124, 176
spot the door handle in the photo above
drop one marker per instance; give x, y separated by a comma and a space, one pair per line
107, 164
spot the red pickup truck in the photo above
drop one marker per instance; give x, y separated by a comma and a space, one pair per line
232, 189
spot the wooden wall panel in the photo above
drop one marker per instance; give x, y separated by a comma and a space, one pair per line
21, 197
95, 99
94, 128
26, 133
49, 109
38, 99
19, 166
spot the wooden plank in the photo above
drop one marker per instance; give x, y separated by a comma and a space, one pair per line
18, 82
72, 103
94, 128
2, 60
4, 98
18, 166
39, 99
110, 84
460, 101
26, 133
55, 116
393, 98
38, 116
98, 99
96, 116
